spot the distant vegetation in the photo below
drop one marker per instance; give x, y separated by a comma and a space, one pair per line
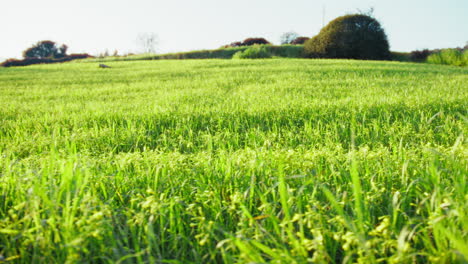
299, 40
352, 37
420, 55
31, 61
400, 56
248, 42
254, 52
148, 42
357, 36
284, 51
288, 37
45, 51
453, 57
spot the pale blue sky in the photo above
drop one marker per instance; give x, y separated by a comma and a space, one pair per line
96, 25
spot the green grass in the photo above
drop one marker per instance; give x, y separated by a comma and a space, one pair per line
234, 161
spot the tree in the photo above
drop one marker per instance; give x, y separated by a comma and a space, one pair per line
288, 37
233, 45
351, 36
254, 41
420, 55
299, 40
62, 51
46, 49
148, 42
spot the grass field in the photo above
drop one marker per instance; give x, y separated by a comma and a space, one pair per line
244, 161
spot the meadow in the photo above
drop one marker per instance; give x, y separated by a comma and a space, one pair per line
234, 161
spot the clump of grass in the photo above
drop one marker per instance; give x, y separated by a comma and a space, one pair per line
253, 52
449, 57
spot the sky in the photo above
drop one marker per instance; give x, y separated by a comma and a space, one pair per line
94, 26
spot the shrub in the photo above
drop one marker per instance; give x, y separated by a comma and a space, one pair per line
31, 61
420, 55
435, 58
76, 56
254, 52
352, 37
233, 45
10, 62
247, 42
254, 41
449, 57
452, 57
299, 40
287, 51
400, 56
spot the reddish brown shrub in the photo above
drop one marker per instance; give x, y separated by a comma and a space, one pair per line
31, 61
253, 41
299, 40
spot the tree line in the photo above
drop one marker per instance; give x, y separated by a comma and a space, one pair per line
45, 51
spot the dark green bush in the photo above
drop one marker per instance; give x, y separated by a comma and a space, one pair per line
351, 37
420, 55
46, 49
400, 56
254, 52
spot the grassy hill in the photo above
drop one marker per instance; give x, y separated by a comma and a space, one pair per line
284, 51
280, 160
